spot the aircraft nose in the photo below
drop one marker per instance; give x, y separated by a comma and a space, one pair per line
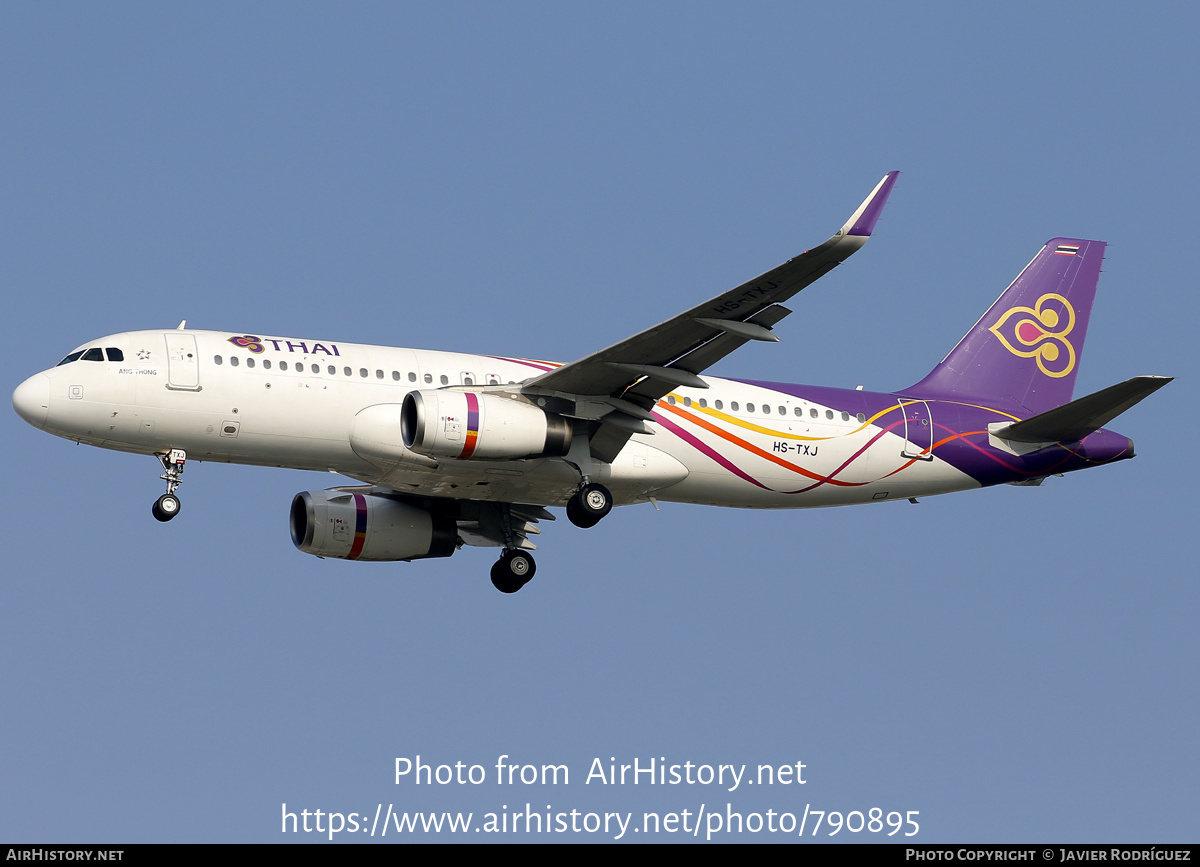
31, 400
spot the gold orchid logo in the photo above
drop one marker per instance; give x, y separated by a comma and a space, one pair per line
248, 341
1040, 333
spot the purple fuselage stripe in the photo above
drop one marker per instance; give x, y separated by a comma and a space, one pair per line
960, 438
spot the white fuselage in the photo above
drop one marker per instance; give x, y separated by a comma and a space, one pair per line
300, 404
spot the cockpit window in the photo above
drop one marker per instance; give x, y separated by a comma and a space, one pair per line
94, 354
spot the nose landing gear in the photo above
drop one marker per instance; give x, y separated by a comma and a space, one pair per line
167, 506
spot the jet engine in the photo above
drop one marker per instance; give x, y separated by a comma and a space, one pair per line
354, 526
470, 425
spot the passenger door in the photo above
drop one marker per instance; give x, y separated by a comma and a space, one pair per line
183, 366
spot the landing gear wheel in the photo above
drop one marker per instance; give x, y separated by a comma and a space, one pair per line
512, 571
165, 507
590, 503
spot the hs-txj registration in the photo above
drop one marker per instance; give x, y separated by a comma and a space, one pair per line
455, 450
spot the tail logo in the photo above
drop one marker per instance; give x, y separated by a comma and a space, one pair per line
1040, 333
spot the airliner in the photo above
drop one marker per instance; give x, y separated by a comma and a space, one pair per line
454, 449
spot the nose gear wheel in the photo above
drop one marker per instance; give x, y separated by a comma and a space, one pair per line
167, 506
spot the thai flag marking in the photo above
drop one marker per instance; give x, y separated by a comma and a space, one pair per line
1066, 250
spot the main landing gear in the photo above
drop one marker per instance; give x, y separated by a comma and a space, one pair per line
515, 567
166, 507
513, 570
589, 504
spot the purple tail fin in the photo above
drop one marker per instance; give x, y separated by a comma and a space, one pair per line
1026, 349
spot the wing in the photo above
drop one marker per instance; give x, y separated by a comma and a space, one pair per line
616, 387
480, 523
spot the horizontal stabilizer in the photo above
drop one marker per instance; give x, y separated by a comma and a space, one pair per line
1075, 420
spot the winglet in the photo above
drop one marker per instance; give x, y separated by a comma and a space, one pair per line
862, 222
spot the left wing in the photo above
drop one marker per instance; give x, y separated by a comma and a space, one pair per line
617, 386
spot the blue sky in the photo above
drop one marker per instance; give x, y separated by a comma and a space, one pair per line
534, 179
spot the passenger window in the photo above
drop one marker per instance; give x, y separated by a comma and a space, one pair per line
799, 411
249, 362
444, 379
428, 377
749, 407
412, 377
362, 371
734, 406
316, 368
720, 404
687, 401
671, 399
829, 413
115, 354
217, 359
813, 412
283, 365
845, 416
93, 355
783, 410
332, 370
379, 374
74, 356
347, 371
266, 364
233, 361
861, 417
396, 375
468, 381
703, 403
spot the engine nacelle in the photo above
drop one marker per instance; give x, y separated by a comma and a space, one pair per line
368, 527
470, 425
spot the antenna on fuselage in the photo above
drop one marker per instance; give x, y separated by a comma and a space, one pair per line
182, 324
